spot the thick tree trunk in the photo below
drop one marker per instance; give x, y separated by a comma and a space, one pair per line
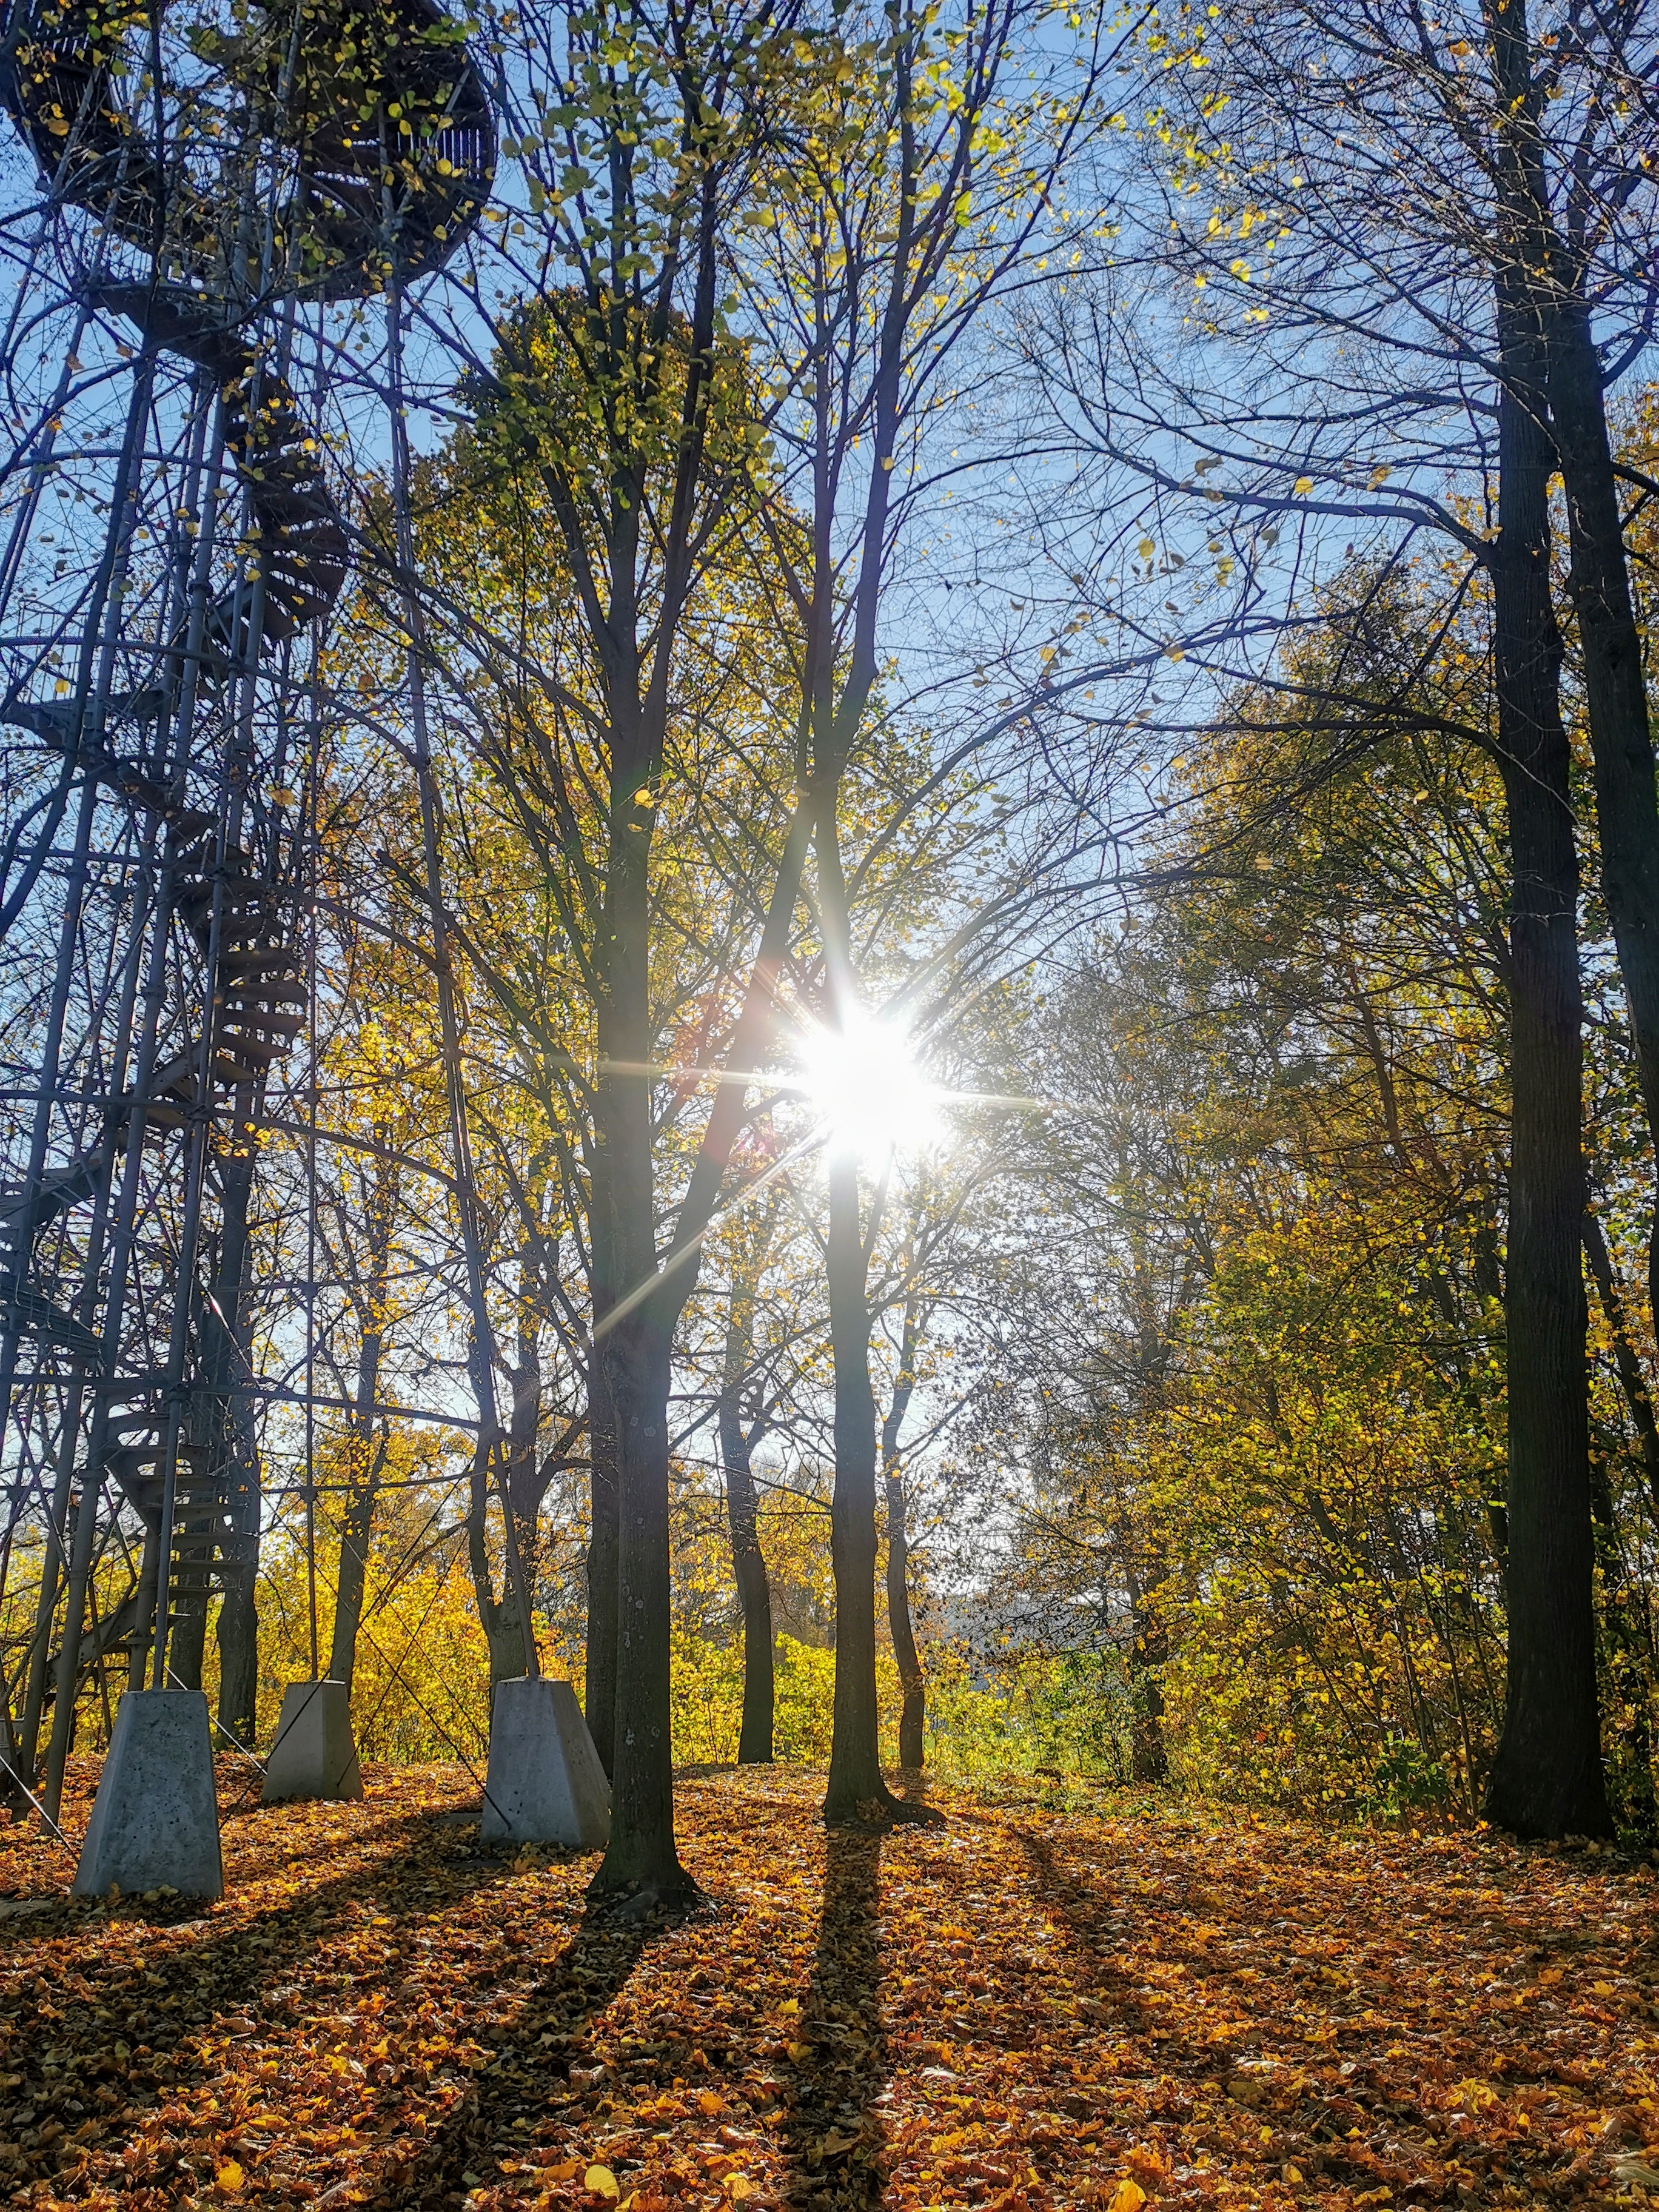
641, 1861
1547, 1777
642, 1858
856, 1790
223, 1339
1615, 693
599, 1696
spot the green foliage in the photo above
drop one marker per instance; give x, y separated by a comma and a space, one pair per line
1027, 1713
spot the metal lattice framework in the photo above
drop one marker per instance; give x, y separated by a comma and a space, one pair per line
172, 549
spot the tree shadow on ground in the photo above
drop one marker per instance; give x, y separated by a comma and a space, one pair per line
833, 2130
130, 2018
1116, 1997
497, 2120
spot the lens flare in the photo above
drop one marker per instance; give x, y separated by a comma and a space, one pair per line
863, 1083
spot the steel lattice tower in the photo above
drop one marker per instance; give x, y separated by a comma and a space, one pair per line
174, 538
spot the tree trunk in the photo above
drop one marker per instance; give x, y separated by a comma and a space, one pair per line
223, 1337
239, 1611
365, 1458
600, 1697
1148, 1649
356, 1533
239, 1615
749, 1567
1631, 1380
736, 1438
497, 1616
1629, 1654
855, 1791
912, 1688
641, 1861
1546, 1777
1615, 693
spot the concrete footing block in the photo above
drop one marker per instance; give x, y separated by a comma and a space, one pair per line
546, 1784
313, 1755
156, 1819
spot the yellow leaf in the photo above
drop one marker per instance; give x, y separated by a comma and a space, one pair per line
1145, 548
1127, 2197
708, 2104
1474, 2096
229, 2175
600, 2181
799, 2051
738, 2187
1302, 484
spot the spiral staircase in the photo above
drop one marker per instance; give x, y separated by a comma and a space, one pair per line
376, 126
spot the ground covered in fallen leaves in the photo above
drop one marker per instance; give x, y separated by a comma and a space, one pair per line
1029, 2005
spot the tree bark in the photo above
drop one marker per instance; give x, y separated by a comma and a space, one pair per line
356, 1533
641, 1861
1547, 1777
856, 1790
1615, 693
912, 1688
748, 1561
497, 1616
227, 1434
1149, 1649
1632, 1381
600, 1697
365, 1458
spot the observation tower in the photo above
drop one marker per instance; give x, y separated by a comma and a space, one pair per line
202, 209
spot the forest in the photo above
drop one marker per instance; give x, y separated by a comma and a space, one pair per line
828, 939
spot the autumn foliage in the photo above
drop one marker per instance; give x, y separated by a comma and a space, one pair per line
1044, 2003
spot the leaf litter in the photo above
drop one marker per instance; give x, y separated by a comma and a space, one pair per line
1141, 2004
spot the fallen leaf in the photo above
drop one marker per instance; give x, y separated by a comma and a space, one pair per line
600, 2181
1127, 2197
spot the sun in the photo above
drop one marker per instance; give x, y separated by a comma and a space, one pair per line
862, 1082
